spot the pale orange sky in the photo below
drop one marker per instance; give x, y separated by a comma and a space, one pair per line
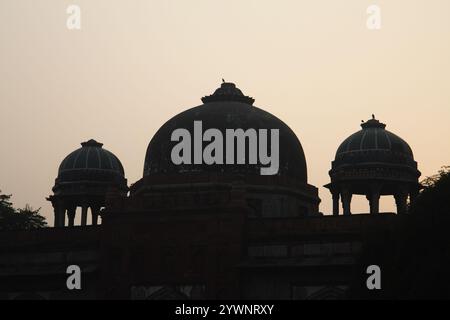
134, 64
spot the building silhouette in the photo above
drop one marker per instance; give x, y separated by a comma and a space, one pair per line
210, 231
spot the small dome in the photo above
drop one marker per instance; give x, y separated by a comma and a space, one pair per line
374, 144
90, 163
373, 162
226, 108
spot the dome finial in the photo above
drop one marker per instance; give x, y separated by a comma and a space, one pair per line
228, 92
91, 143
372, 123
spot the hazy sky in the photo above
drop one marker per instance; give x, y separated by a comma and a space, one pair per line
134, 64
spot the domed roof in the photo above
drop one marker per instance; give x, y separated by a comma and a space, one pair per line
373, 143
227, 108
90, 163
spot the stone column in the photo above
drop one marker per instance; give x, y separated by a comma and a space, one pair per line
346, 202
71, 215
62, 216
56, 210
374, 197
59, 211
336, 203
84, 211
95, 211
56, 218
401, 198
374, 201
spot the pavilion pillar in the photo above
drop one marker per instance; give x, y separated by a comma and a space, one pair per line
373, 196
336, 203
346, 202
58, 211
57, 215
374, 202
56, 218
71, 215
95, 212
62, 217
84, 212
401, 198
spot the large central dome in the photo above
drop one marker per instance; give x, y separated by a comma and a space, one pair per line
227, 108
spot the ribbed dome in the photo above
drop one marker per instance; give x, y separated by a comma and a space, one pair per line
374, 144
373, 162
90, 163
227, 108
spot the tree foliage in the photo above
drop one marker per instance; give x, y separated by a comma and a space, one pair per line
18, 219
415, 256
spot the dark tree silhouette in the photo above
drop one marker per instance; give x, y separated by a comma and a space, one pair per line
415, 257
18, 219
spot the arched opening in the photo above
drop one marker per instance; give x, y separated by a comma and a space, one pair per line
359, 204
387, 204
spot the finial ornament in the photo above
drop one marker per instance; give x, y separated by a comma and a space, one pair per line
372, 123
92, 143
228, 92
